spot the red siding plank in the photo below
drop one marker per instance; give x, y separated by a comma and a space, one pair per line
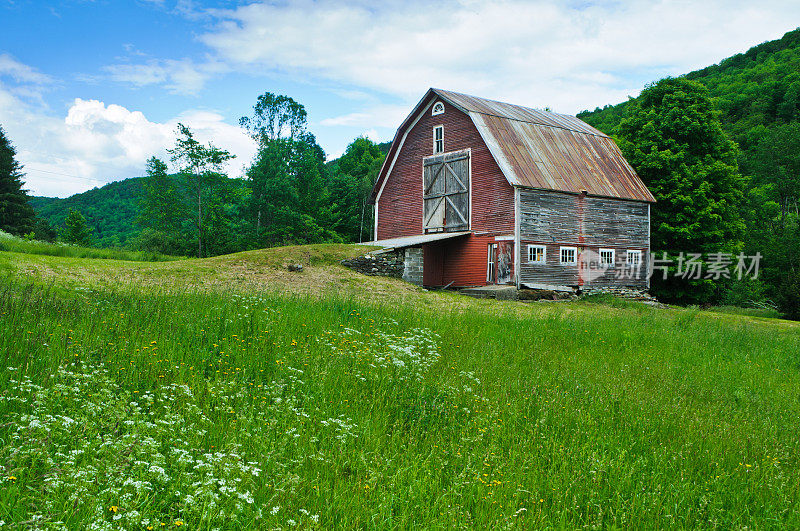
400, 204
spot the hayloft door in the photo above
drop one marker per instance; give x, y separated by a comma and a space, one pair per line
446, 192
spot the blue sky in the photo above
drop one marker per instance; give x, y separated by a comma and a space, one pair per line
90, 89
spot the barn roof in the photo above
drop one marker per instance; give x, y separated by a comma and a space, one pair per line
539, 149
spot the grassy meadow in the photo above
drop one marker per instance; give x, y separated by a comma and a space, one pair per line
20, 245
228, 393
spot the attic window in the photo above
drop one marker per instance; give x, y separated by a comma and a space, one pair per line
438, 139
438, 108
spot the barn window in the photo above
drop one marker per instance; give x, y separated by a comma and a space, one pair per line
607, 257
438, 108
438, 139
634, 259
536, 254
569, 255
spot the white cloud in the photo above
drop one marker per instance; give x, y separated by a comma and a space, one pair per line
373, 116
21, 73
543, 53
178, 76
97, 143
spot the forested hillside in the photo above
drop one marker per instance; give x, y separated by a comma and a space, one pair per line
110, 211
756, 98
753, 91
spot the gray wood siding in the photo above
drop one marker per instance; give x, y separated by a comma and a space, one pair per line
557, 219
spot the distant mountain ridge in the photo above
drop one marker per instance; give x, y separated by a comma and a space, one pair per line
110, 210
753, 91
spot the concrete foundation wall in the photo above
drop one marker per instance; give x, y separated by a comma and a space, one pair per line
412, 265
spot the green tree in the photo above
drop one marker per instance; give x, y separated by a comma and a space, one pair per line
277, 123
16, 215
159, 204
161, 211
775, 162
274, 117
289, 197
672, 137
200, 166
76, 231
354, 174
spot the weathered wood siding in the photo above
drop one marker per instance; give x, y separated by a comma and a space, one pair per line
400, 206
589, 223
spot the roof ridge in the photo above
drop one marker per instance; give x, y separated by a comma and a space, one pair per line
587, 129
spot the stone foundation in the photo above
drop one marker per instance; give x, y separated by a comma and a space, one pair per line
378, 265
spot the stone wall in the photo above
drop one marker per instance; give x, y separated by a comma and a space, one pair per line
382, 265
412, 265
622, 293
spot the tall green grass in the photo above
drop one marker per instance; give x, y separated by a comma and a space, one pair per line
220, 411
19, 245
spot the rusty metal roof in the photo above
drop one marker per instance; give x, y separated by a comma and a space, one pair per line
540, 149
473, 104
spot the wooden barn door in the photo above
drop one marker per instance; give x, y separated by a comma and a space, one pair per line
499, 267
446, 192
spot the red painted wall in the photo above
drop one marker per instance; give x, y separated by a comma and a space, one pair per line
461, 260
400, 204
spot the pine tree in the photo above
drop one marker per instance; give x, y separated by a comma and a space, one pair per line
16, 214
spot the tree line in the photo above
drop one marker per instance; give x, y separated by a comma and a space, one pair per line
289, 195
714, 198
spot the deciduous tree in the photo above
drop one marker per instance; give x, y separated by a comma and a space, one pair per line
76, 231
200, 165
673, 138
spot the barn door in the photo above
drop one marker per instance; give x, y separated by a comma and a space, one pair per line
499, 263
445, 192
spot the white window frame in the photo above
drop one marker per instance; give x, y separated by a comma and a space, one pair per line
438, 108
613, 256
491, 262
437, 140
574, 255
544, 254
633, 263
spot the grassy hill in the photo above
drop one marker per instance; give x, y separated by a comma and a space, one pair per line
755, 90
229, 393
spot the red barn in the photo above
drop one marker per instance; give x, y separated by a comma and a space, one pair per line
483, 192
